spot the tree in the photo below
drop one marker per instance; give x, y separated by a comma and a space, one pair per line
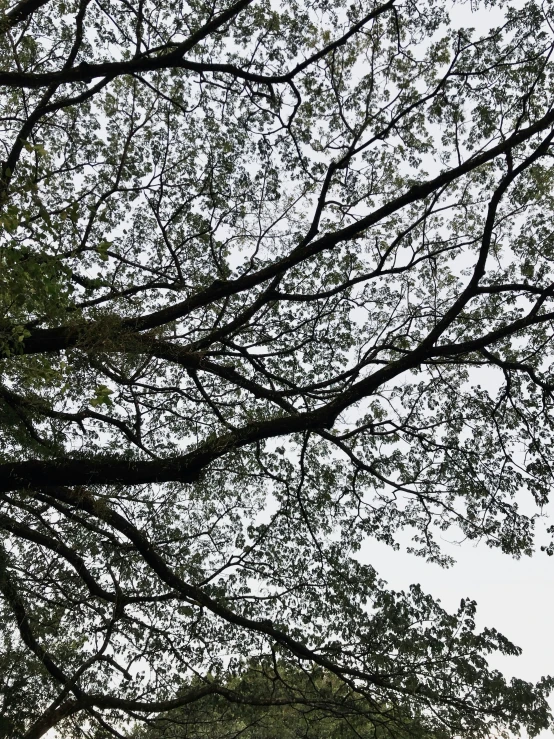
275, 279
297, 703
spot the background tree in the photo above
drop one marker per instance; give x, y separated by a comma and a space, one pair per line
275, 278
292, 702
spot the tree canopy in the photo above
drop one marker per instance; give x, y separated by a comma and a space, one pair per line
276, 277
299, 707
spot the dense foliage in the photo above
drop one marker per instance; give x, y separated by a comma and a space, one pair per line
275, 278
284, 703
